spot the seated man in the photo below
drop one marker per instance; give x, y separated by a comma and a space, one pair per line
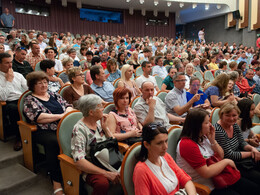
147, 70
35, 56
249, 76
100, 86
150, 108
175, 100
159, 69
19, 63
12, 85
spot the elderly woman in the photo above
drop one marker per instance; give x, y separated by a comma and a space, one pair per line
24, 41
112, 70
217, 90
122, 121
91, 129
157, 172
67, 63
45, 109
189, 70
51, 54
168, 84
230, 138
126, 81
78, 86
55, 83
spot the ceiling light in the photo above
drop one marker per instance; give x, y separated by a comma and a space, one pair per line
169, 4
155, 13
141, 1
181, 5
194, 5
156, 2
127, 1
143, 12
218, 6
206, 6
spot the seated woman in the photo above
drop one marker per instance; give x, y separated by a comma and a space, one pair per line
189, 70
134, 59
217, 90
230, 138
112, 70
203, 102
51, 54
121, 60
203, 65
247, 109
122, 121
242, 66
198, 144
168, 82
243, 85
45, 109
78, 86
55, 83
126, 81
67, 63
91, 129
156, 172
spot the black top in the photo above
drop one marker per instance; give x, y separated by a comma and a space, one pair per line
24, 68
53, 105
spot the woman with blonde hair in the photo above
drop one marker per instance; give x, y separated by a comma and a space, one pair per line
217, 90
189, 70
134, 59
126, 81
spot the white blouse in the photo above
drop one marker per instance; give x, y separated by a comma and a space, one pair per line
165, 174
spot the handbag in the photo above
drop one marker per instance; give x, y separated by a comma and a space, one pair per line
227, 177
106, 154
246, 163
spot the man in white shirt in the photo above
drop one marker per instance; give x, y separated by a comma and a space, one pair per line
40, 41
2, 41
12, 85
159, 69
147, 69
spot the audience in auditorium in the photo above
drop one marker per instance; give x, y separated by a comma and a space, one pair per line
168, 84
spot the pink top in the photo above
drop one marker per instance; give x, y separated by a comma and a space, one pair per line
145, 182
125, 123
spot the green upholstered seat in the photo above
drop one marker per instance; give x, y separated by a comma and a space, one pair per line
138, 71
162, 95
208, 76
214, 116
108, 108
173, 138
159, 81
199, 75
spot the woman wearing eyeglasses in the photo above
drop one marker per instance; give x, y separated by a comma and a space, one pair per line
156, 172
78, 86
203, 102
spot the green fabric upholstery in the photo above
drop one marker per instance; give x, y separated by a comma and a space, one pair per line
162, 95
256, 119
65, 131
208, 76
199, 75
108, 108
134, 102
116, 83
128, 171
217, 72
63, 89
173, 138
21, 105
256, 99
256, 129
138, 71
168, 67
159, 81
37, 67
215, 117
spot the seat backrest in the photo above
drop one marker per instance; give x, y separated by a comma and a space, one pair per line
168, 67
61, 91
134, 101
61, 73
138, 71
208, 76
217, 72
21, 104
173, 138
108, 108
256, 99
199, 75
256, 119
127, 168
214, 116
159, 81
37, 67
115, 83
162, 95
64, 131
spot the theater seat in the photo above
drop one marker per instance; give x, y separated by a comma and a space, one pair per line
161, 95
2, 133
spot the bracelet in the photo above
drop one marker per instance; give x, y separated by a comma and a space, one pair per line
214, 143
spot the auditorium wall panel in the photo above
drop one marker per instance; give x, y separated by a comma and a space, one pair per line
66, 19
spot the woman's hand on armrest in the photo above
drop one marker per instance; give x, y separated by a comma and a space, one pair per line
190, 188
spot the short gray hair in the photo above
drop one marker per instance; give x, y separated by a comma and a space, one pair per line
233, 75
87, 103
177, 75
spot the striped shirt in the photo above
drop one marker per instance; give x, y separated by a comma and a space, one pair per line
231, 146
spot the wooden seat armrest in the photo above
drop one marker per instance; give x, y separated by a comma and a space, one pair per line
255, 124
69, 161
2, 103
202, 189
123, 147
32, 127
258, 136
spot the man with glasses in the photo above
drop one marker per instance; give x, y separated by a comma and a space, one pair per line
150, 108
19, 63
175, 100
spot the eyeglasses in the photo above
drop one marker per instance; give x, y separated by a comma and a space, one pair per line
81, 74
195, 85
42, 83
154, 126
183, 80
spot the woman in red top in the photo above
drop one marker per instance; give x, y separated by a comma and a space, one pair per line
157, 173
242, 83
197, 144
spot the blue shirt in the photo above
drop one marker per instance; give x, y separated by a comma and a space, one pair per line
201, 100
241, 59
7, 20
105, 92
113, 76
212, 90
